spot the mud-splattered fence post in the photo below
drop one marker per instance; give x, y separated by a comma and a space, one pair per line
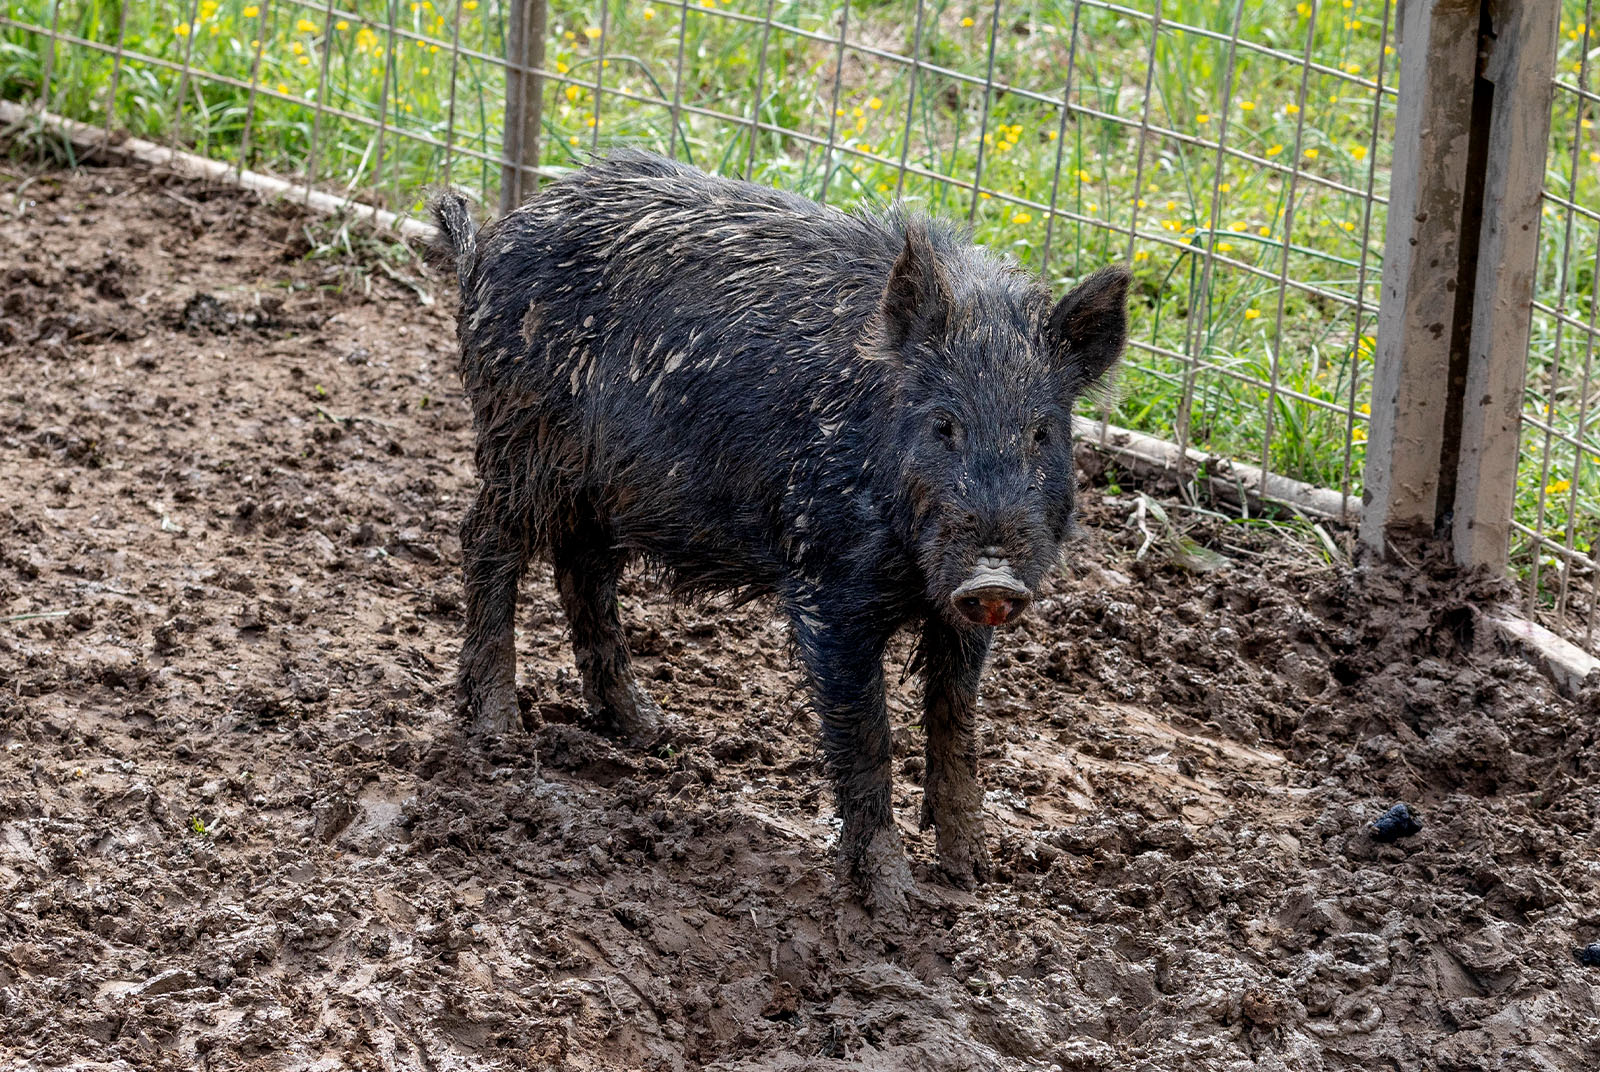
1519, 62
524, 102
1471, 129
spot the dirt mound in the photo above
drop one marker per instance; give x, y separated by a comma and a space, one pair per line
240, 831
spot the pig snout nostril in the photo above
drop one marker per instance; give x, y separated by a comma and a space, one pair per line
993, 606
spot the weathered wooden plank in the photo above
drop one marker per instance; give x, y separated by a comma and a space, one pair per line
1438, 67
524, 102
1520, 63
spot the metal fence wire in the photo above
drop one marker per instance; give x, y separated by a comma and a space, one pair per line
1236, 155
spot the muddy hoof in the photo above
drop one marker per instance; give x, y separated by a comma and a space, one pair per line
496, 714
882, 876
640, 722
965, 862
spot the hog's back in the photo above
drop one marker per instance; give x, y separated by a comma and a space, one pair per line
682, 353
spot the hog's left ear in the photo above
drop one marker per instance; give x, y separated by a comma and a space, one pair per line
1089, 327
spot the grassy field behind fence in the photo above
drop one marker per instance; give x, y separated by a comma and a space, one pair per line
1220, 341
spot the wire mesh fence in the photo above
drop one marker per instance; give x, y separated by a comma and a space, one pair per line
1236, 155
1557, 524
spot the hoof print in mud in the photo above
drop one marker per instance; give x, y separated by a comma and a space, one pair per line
1396, 823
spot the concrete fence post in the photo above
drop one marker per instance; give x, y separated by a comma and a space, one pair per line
1472, 129
519, 157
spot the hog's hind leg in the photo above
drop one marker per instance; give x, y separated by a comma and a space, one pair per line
587, 569
952, 800
494, 553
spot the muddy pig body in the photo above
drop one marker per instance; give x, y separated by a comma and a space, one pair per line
864, 416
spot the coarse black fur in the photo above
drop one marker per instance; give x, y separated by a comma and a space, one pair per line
761, 396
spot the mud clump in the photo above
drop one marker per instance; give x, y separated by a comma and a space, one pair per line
246, 833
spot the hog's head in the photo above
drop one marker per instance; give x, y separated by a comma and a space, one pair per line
988, 371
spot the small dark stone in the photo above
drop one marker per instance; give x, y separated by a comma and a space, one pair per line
1396, 823
1589, 955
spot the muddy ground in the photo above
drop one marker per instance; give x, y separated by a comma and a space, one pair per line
238, 829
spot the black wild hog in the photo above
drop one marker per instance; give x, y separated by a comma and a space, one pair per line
865, 416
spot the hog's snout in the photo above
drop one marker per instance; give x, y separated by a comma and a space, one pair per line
992, 595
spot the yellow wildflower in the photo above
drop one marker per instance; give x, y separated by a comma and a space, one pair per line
341, 25
649, 13
1141, 255
1358, 151
470, 5
967, 21
304, 61
1203, 117
1239, 226
305, 26
1556, 487
251, 11
182, 29
1224, 247
1311, 154
874, 103
1247, 106
1252, 314
1291, 109
1366, 407
424, 71
297, 48
1264, 232
1358, 435
1348, 226
1022, 217
573, 93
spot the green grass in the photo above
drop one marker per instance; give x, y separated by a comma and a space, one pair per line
1225, 356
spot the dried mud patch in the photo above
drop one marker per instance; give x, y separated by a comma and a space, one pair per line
239, 830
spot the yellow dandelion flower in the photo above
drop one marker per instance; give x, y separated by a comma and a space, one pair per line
434, 49
1141, 255
1224, 187
297, 48
251, 11
967, 21
425, 71
1252, 314
984, 194
1264, 232
884, 187
1022, 217
1594, 158
182, 29
569, 35
365, 39
1556, 487
305, 26
857, 112
1291, 108
282, 88
1141, 202
589, 121
1092, 207
573, 139
208, 8
1239, 227
256, 43
1358, 435
341, 25
1388, 50
1274, 150
1203, 117
1366, 407
1348, 226
1084, 176
304, 61
1190, 230
1358, 151
1352, 68
1003, 146
561, 68
1172, 206
1304, 9
1224, 247
573, 93
1311, 154
1247, 106
649, 13
1052, 135
470, 5
874, 103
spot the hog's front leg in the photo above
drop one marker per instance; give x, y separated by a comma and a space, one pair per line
845, 666
952, 800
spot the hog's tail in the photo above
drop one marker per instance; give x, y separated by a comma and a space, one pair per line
457, 241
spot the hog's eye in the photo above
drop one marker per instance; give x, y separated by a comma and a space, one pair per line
945, 429
1041, 435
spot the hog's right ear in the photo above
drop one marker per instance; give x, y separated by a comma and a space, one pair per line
916, 299
1089, 327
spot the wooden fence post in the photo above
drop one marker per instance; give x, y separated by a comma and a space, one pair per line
519, 156
1410, 390
1520, 63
